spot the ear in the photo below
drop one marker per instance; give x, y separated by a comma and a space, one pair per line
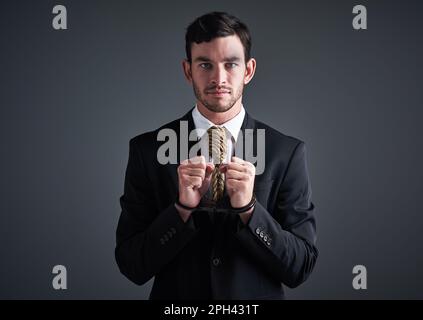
250, 70
187, 70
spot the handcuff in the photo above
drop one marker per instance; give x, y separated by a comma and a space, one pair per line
217, 207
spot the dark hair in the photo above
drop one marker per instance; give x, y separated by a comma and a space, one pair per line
217, 24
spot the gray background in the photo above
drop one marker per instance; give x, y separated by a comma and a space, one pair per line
71, 100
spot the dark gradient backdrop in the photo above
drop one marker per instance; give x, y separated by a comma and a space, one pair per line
71, 100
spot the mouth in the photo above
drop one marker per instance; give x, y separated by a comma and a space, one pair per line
218, 93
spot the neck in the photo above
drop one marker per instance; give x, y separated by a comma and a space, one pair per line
220, 117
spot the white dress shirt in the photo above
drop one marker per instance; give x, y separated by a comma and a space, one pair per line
232, 128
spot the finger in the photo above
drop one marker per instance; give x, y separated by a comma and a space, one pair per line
209, 170
237, 160
237, 166
244, 163
194, 172
195, 182
234, 185
197, 164
223, 167
246, 168
198, 159
190, 165
236, 175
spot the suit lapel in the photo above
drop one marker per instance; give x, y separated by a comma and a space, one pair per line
173, 167
246, 133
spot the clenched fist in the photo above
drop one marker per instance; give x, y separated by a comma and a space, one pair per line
239, 179
194, 177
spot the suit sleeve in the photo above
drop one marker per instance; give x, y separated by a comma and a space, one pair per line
146, 240
283, 242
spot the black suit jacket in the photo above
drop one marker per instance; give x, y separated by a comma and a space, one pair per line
214, 255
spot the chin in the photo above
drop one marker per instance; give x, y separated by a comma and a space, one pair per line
218, 109
223, 106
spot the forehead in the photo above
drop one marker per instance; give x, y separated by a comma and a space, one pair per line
219, 49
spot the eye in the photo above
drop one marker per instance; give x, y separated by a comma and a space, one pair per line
231, 65
205, 65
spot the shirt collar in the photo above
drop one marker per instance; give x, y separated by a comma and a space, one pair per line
233, 126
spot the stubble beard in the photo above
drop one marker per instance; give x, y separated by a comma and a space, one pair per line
216, 107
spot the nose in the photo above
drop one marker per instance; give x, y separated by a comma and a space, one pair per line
219, 76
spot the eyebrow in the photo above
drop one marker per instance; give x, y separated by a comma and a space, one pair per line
229, 59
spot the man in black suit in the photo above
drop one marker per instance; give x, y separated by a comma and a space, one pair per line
211, 224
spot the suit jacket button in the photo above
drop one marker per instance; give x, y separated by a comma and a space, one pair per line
170, 234
216, 262
162, 241
265, 238
173, 230
268, 243
261, 234
258, 230
166, 237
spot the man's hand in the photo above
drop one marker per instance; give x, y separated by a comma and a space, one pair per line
194, 176
239, 177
